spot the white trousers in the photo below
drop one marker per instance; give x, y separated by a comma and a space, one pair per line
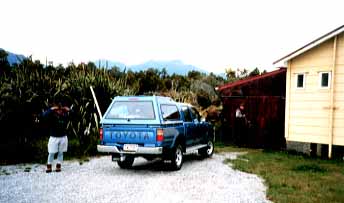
57, 144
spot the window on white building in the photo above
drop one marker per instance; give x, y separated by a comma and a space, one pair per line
300, 81
325, 79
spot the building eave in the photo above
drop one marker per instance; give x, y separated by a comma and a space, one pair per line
311, 45
250, 79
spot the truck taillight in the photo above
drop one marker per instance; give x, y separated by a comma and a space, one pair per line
101, 133
160, 135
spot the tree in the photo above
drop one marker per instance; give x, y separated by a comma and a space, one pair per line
242, 73
254, 72
213, 80
116, 72
4, 65
205, 93
180, 82
168, 84
231, 75
163, 73
91, 66
3, 56
149, 80
194, 75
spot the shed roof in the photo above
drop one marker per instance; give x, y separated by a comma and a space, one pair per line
312, 44
251, 79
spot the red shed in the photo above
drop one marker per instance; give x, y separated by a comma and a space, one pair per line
264, 99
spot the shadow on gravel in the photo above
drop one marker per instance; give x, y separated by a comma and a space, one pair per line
160, 165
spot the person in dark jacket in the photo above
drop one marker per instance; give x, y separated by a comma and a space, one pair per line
57, 118
240, 125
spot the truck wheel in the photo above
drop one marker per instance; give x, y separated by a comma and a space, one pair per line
208, 150
126, 163
177, 157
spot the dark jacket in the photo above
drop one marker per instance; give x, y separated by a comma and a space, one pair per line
57, 123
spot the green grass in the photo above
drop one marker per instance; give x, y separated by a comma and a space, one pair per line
292, 178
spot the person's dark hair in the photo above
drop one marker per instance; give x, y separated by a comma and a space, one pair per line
59, 101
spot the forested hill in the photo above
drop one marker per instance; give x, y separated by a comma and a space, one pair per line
13, 58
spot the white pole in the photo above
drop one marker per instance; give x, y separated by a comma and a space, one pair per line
332, 94
96, 102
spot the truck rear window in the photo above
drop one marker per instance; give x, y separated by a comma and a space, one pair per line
131, 110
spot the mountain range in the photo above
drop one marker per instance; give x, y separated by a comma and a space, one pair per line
14, 58
172, 66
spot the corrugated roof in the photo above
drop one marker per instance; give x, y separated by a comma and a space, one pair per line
312, 44
250, 79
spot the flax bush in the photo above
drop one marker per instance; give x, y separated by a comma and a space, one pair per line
27, 89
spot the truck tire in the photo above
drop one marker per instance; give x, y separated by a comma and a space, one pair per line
126, 163
208, 150
177, 157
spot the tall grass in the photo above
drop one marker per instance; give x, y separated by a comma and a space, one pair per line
28, 89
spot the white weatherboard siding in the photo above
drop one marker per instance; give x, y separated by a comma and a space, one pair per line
338, 124
308, 109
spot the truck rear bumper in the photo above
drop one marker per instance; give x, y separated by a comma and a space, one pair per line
140, 150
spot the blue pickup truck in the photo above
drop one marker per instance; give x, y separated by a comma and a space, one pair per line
153, 127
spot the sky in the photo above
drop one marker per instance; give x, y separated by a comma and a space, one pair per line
210, 34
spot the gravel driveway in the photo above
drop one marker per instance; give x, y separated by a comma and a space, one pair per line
100, 180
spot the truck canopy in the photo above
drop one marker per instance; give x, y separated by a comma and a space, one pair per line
139, 110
